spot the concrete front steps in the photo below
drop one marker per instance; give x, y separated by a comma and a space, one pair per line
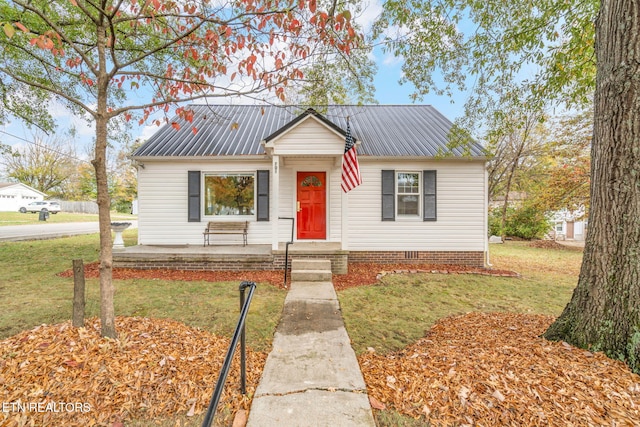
311, 270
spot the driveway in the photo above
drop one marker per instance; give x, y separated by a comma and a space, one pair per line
49, 230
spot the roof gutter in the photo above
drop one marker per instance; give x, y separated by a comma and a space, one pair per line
226, 158
431, 158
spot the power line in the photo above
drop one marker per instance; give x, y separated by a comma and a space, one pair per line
44, 146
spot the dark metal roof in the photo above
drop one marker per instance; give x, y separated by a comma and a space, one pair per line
235, 130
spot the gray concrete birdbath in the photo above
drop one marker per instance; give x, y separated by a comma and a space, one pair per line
118, 228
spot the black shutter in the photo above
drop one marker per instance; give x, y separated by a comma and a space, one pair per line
388, 195
194, 196
430, 212
263, 195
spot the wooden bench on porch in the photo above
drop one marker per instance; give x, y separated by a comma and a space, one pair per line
215, 227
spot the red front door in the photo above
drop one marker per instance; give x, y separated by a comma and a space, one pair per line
311, 205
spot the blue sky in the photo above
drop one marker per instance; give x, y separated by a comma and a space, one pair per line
389, 91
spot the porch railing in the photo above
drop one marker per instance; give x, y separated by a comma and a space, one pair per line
239, 334
286, 248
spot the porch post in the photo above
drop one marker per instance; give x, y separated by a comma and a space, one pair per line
275, 198
344, 222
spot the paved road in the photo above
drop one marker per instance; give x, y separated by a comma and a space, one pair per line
49, 230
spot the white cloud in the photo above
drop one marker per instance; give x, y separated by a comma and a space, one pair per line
66, 119
371, 9
147, 131
390, 60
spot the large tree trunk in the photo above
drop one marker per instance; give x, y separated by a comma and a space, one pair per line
107, 291
604, 312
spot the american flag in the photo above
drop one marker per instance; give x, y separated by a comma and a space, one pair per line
350, 169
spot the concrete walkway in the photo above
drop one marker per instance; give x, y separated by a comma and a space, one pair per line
311, 377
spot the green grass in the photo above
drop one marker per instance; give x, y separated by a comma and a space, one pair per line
33, 294
17, 218
395, 313
394, 419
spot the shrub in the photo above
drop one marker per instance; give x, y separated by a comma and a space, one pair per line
524, 222
121, 206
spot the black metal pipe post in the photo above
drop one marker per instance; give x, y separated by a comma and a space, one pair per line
286, 261
243, 343
286, 248
217, 393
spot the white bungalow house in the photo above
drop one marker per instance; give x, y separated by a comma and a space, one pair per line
279, 168
13, 195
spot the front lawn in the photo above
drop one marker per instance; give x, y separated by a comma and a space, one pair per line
33, 293
399, 309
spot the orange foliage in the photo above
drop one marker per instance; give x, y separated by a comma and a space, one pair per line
158, 368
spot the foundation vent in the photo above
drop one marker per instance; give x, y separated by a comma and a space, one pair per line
410, 254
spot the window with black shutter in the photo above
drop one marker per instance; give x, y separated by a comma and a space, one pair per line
263, 195
409, 194
193, 193
388, 195
430, 188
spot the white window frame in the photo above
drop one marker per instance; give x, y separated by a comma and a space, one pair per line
418, 215
249, 217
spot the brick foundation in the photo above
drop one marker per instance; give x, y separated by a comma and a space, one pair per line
468, 258
219, 265
339, 260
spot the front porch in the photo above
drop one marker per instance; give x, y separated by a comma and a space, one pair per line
229, 257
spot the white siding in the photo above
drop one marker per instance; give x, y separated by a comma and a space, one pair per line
460, 224
309, 137
162, 203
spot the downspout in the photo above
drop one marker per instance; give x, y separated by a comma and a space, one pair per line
486, 214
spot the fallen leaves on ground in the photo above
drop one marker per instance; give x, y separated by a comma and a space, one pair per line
368, 273
157, 368
360, 274
274, 277
552, 244
490, 369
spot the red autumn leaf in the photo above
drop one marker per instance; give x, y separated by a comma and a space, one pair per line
21, 27
376, 404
